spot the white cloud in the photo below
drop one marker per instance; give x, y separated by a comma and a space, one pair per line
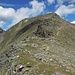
2, 23
25, 12
20, 14
60, 2
73, 22
72, 1
65, 10
6, 14
37, 7
9, 14
50, 1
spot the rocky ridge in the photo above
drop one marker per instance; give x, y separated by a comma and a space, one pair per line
46, 43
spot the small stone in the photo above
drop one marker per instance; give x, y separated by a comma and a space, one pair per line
51, 59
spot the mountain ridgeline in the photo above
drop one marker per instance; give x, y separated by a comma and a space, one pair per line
46, 43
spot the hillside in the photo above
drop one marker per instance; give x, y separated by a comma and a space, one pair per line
1, 30
46, 43
1, 34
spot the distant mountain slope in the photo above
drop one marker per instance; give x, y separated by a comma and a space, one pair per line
1, 30
47, 40
1, 34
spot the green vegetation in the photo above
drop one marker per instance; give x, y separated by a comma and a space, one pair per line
46, 43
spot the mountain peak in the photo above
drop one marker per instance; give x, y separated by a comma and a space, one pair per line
47, 41
52, 14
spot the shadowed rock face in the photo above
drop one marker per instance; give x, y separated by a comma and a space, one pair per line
41, 32
1, 30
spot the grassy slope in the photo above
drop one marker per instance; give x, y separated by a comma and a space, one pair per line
64, 34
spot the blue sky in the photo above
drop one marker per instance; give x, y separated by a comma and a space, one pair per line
12, 11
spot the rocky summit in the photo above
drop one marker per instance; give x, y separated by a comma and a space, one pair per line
42, 45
